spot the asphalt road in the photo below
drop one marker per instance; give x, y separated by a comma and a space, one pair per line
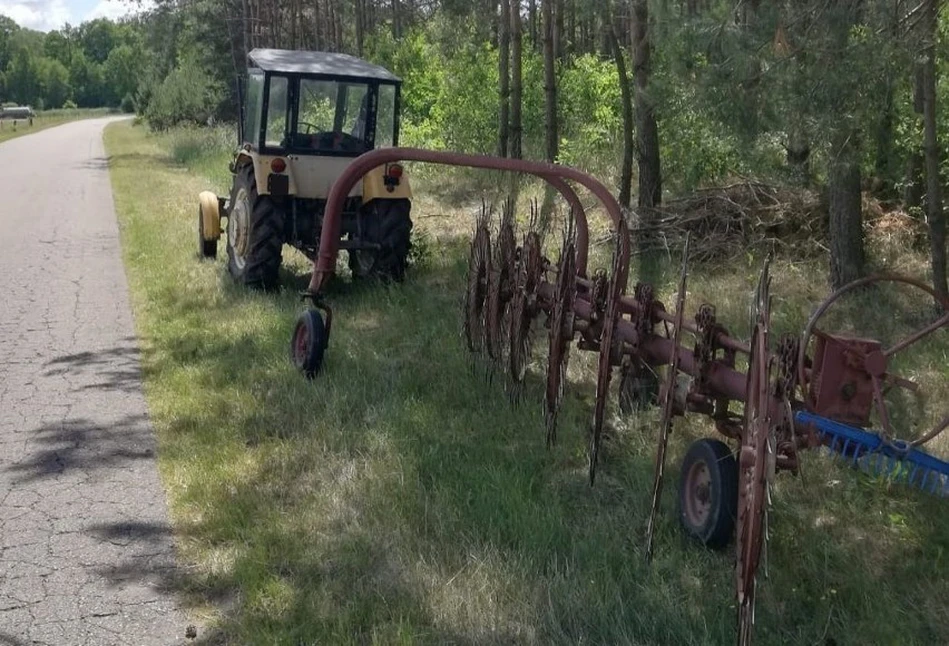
86, 555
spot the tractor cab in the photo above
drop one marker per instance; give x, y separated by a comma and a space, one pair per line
318, 103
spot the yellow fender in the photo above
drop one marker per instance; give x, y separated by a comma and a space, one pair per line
210, 216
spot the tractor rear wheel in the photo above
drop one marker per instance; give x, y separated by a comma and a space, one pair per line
254, 234
708, 492
389, 224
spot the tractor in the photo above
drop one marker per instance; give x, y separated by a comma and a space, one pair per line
304, 117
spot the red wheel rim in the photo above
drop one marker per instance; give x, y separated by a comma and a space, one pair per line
698, 494
301, 344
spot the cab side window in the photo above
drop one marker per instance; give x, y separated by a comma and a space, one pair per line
253, 102
277, 112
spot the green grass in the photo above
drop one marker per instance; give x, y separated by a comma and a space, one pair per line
47, 119
400, 498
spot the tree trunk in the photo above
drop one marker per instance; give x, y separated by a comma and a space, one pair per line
396, 20
517, 85
883, 165
558, 29
551, 129
550, 81
647, 130
647, 143
360, 25
504, 76
934, 205
845, 213
626, 174
532, 22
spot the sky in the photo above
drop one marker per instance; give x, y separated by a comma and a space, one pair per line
45, 15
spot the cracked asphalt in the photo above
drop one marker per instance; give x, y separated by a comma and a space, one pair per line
86, 553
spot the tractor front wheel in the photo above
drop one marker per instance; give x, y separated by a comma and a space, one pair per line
389, 224
206, 248
254, 234
308, 343
708, 492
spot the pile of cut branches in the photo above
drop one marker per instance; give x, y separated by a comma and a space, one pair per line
731, 219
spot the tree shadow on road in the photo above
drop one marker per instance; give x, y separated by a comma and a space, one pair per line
81, 444
115, 368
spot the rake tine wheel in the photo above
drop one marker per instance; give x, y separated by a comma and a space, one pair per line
479, 260
561, 330
617, 286
753, 461
500, 286
523, 308
668, 401
639, 383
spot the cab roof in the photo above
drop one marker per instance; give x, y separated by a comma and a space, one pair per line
322, 63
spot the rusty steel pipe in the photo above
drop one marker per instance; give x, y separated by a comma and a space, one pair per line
657, 351
553, 174
629, 305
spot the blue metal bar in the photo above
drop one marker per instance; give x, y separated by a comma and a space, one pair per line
912, 474
887, 459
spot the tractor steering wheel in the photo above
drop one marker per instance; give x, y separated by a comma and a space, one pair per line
310, 128
875, 363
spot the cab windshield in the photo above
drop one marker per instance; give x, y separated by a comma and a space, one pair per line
332, 117
320, 116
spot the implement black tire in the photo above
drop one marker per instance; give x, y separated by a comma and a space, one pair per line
308, 343
708, 493
389, 223
254, 234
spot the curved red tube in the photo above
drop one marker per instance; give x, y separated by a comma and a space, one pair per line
325, 264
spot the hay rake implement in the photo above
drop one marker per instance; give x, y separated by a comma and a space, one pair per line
793, 397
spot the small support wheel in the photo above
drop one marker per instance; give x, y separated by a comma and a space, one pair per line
708, 493
308, 343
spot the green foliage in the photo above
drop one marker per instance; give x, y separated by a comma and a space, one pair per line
187, 95
98, 38
591, 114
54, 81
58, 47
7, 29
22, 78
122, 70
96, 64
467, 105
70, 105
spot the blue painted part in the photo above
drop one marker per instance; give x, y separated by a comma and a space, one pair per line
894, 465
912, 474
866, 446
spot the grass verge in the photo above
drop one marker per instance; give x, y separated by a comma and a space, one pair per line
47, 119
399, 499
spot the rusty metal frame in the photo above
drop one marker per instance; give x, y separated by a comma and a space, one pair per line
620, 327
555, 175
